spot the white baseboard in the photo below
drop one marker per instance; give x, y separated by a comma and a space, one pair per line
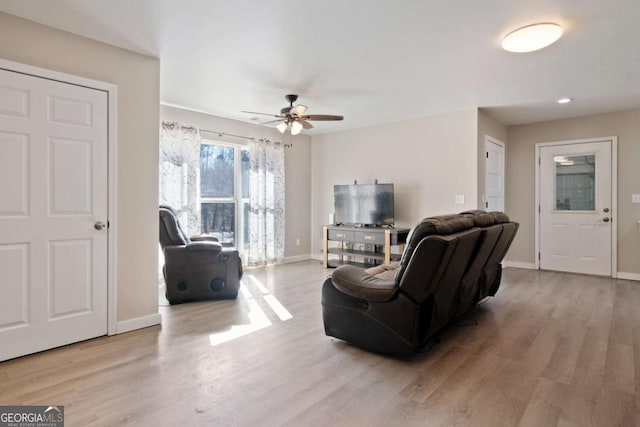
518, 264
628, 276
318, 257
289, 259
138, 323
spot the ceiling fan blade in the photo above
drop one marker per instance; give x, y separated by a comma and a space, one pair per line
263, 114
306, 124
271, 122
322, 117
299, 110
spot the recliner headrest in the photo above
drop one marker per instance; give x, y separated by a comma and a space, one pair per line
480, 218
443, 224
499, 217
170, 231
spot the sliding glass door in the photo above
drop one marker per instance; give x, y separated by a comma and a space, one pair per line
224, 192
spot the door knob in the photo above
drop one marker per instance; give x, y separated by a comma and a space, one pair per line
605, 219
100, 225
605, 210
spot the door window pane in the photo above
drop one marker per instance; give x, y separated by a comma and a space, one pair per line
218, 220
216, 171
575, 182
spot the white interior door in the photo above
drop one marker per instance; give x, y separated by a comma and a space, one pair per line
575, 207
53, 195
494, 175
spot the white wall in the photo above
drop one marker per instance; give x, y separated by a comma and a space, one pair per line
429, 160
521, 178
297, 162
138, 80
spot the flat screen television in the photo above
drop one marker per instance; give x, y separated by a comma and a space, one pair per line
363, 204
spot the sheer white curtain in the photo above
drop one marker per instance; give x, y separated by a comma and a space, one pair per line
179, 173
266, 202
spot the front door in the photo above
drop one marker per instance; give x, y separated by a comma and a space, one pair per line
576, 207
53, 204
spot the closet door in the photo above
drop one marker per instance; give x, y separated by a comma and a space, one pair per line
53, 213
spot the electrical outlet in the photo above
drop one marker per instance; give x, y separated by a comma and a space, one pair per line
297, 242
635, 198
459, 199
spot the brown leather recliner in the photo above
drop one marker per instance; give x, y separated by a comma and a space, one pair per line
449, 264
197, 267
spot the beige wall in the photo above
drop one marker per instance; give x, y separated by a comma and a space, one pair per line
521, 176
429, 160
487, 126
138, 81
297, 168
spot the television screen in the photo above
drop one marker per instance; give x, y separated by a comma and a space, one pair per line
364, 204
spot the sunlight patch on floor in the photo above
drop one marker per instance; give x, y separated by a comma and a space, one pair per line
258, 319
277, 308
258, 283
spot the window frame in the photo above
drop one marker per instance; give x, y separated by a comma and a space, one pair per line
237, 198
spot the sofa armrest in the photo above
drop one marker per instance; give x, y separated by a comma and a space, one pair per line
204, 246
203, 238
211, 239
232, 253
357, 283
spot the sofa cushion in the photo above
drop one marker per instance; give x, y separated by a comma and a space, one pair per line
356, 282
384, 268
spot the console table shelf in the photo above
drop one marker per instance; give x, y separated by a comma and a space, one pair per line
380, 240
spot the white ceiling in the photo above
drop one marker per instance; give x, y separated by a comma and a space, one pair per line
371, 61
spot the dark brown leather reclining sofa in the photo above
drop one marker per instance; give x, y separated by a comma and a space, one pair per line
449, 264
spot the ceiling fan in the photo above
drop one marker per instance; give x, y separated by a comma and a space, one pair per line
293, 117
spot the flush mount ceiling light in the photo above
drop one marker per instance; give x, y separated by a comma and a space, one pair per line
532, 37
564, 100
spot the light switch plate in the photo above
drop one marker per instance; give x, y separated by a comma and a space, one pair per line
635, 198
459, 199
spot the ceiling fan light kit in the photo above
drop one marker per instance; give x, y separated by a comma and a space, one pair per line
532, 37
282, 127
296, 128
294, 117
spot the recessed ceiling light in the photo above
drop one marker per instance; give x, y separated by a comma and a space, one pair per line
532, 37
564, 100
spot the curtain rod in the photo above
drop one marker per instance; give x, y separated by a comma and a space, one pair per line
250, 138
171, 125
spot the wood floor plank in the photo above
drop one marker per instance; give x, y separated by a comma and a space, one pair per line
423, 385
549, 349
545, 406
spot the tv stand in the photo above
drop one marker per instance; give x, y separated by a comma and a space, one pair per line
377, 242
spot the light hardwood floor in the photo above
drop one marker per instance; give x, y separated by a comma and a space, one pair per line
550, 349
